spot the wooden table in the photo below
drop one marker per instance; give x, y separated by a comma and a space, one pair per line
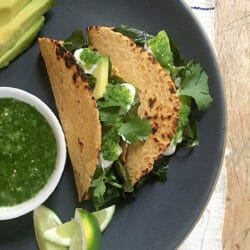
232, 30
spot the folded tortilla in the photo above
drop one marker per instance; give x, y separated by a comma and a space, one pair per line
77, 111
159, 102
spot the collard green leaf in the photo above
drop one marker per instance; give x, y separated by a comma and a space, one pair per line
138, 36
75, 41
190, 136
178, 58
113, 79
91, 81
160, 169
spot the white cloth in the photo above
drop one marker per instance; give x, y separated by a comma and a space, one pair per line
207, 233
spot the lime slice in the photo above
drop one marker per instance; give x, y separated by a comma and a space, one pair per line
45, 219
60, 235
104, 216
78, 239
90, 226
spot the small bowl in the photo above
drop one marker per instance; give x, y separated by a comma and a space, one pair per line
10, 212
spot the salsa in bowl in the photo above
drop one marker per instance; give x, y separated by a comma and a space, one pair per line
32, 152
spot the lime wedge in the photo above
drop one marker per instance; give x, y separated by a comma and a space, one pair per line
60, 235
104, 216
78, 239
90, 226
45, 219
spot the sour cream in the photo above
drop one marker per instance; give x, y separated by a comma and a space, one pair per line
77, 55
171, 148
105, 163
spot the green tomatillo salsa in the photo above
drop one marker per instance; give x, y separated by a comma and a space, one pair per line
27, 151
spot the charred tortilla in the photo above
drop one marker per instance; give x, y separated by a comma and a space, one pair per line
159, 102
77, 110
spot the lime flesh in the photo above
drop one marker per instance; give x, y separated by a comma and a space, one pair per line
78, 239
104, 216
60, 235
45, 219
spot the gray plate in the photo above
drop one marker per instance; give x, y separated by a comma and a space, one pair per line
162, 214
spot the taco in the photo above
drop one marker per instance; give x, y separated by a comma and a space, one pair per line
118, 107
159, 102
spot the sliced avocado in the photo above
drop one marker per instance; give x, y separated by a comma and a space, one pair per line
9, 9
23, 43
11, 32
101, 74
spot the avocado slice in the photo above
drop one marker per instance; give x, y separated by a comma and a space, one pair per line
9, 9
101, 74
11, 32
23, 43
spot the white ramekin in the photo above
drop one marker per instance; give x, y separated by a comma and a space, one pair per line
29, 205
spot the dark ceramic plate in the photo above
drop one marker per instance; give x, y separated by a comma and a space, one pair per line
162, 214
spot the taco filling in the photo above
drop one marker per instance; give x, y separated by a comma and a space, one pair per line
132, 99
117, 103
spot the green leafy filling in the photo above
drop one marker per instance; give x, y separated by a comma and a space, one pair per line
135, 129
185, 110
90, 58
116, 96
138, 36
75, 41
119, 124
104, 187
195, 85
160, 47
110, 145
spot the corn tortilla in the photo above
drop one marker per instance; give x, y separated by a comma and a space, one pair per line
159, 102
77, 111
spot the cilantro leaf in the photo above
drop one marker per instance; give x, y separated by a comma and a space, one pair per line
138, 36
104, 187
98, 183
110, 145
135, 129
110, 116
160, 46
195, 85
75, 41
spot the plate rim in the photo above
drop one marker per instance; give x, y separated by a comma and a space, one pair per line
213, 53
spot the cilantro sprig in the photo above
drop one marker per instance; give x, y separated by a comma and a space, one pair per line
135, 129
195, 85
